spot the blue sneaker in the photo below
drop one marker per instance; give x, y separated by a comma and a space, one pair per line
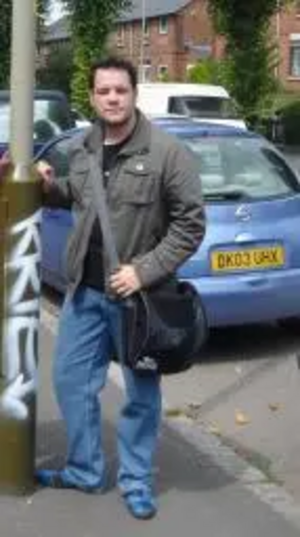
140, 504
57, 480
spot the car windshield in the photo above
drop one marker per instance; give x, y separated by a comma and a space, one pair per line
234, 168
4, 122
49, 119
210, 107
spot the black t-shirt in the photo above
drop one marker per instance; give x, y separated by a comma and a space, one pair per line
93, 275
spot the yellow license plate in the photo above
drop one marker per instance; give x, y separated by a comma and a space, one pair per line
248, 259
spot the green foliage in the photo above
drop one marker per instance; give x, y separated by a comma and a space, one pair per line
164, 77
208, 71
251, 55
57, 73
290, 122
5, 35
236, 18
91, 23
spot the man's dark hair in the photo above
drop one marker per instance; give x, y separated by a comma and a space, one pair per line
113, 63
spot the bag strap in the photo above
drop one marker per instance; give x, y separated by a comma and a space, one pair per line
100, 202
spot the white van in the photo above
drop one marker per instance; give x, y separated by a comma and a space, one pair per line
200, 101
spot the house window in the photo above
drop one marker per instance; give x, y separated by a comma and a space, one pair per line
120, 35
163, 25
295, 55
145, 71
162, 72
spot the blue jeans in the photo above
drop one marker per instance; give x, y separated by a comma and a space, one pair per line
87, 338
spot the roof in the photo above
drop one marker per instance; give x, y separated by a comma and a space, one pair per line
153, 8
60, 29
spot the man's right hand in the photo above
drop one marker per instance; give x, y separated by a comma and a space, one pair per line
46, 174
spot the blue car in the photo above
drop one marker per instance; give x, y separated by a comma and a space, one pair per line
248, 266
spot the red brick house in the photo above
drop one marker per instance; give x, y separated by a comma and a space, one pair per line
165, 37
286, 27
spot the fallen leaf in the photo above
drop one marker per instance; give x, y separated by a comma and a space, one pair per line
174, 412
214, 428
193, 410
194, 406
241, 418
274, 406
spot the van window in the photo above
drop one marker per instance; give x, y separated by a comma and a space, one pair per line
203, 107
175, 105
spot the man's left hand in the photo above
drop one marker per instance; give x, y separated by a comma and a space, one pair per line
125, 281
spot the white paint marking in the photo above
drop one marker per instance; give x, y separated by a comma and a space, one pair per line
22, 318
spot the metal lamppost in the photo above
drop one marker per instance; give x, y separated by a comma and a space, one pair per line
20, 204
142, 44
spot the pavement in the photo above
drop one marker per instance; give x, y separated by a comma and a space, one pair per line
246, 392
204, 486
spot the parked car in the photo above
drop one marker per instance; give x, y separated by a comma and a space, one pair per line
248, 267
80, 119
206, 102
52, 115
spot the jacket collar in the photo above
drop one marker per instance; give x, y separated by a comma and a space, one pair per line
138, 141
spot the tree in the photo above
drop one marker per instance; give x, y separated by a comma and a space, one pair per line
91, 23
5, 33
251, 56
42, 7
208, 71
57, 72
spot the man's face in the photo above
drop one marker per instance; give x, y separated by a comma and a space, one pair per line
113, 97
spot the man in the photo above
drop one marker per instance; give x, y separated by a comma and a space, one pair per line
154, 198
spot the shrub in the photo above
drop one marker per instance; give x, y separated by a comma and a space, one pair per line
289, 119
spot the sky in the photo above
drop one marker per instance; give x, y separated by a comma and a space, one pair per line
56, 11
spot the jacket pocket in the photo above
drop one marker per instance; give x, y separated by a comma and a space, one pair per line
79, 173
138, 186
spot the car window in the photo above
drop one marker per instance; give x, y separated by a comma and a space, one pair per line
203, 107
175, 105
4, 122
51, 117
235, 165
210, 107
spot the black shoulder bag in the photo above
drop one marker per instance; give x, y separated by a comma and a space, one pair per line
163, 327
